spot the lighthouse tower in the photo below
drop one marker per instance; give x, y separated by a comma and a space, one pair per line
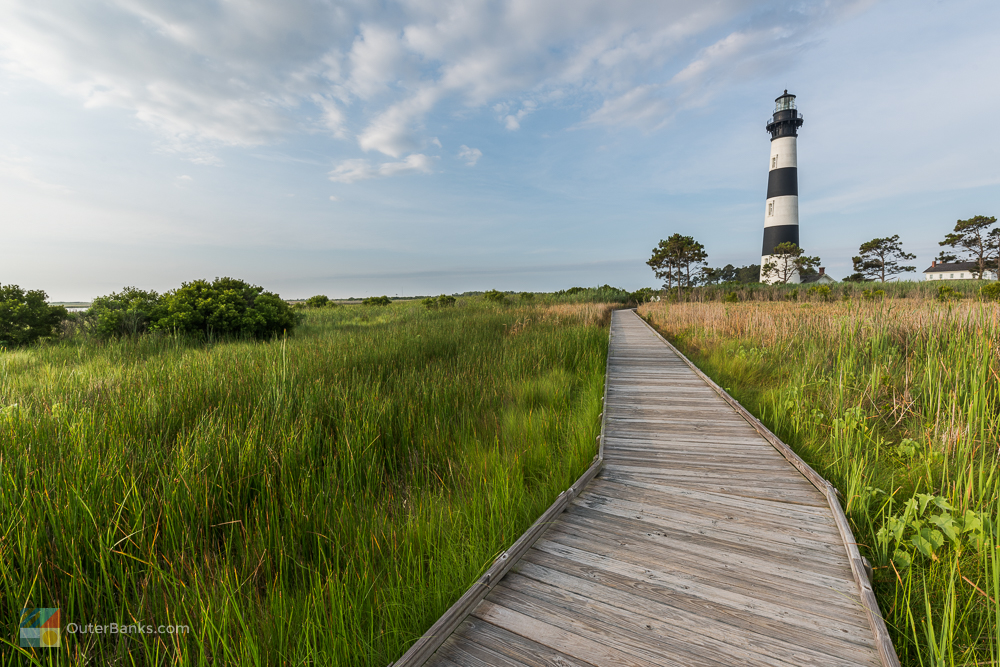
781, 213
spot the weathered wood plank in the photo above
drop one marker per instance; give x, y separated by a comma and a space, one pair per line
687, 576
516, 647
575, 644
787, 644
642, 583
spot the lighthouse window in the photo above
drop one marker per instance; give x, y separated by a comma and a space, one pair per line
770, 208
774, 162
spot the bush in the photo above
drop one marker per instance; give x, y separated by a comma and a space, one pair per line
224, 307
730, 297
990, 292
443, 301
527, 297
641, 295
319, 301
872, 295
494, 296
948, 293
822, 292
377, 301
130, 312
25, 317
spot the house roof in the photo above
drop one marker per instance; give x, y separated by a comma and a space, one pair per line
953, 266
819, 278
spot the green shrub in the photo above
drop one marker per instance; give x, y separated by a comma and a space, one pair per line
641, 295
872, 295
224, 307
948, 293
430, 302
527, 297
730, 297
319, 301
793, 294
495, 296
822, 292
127, 313
377, 301
25, 316
446, 301
990, 292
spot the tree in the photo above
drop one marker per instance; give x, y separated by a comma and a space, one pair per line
946, 257
672, 259
26, 316
127, 313
977, 240
880, 258
496, 296
857, 278
787, 260
224, 307
730, 274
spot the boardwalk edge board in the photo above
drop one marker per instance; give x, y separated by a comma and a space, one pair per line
436, 635
886, 650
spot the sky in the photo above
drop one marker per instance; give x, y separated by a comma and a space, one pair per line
418, 147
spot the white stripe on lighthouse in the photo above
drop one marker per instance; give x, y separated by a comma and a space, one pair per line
783, 153
781, 211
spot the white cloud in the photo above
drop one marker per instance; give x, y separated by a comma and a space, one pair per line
470, 155
249, 72
351, 171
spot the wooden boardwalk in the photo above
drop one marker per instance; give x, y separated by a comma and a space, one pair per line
698, 543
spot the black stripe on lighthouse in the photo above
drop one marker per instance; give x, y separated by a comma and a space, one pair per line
783, 182
773, 236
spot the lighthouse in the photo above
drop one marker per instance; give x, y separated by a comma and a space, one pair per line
781, 213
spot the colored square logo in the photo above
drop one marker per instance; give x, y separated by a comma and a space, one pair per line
40, 628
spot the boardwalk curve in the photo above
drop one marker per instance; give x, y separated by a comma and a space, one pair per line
696, 538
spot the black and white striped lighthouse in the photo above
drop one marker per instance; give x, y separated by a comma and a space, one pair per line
781, 213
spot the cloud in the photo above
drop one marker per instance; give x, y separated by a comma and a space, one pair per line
643, 106
392, 132
470, 155
351, 171
246, 72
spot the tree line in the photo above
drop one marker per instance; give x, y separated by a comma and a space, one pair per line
681, 261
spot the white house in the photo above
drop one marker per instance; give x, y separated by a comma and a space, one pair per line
821, 278
957, 271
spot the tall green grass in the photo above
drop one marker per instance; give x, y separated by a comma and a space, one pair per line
315, 500
901, 289
897, 403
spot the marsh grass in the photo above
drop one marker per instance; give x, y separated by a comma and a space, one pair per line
903, 289
320, 499
897, 403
